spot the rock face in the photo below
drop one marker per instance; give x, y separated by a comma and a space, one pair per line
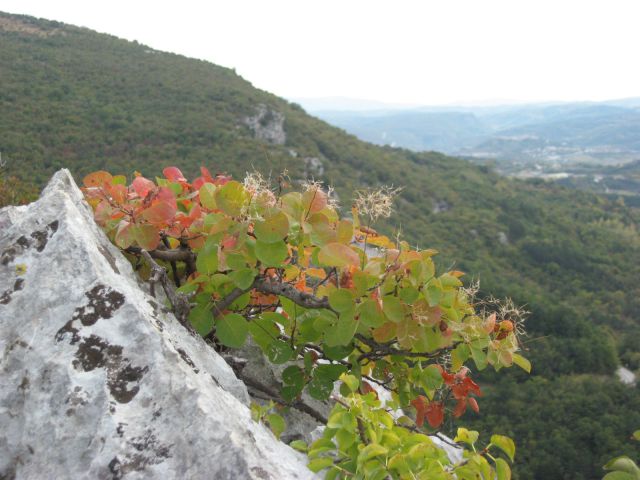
267, 125
98, 379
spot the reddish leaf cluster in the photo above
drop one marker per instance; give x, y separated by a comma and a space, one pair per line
461, 387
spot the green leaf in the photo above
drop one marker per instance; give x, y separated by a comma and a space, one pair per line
431, 377
207, 260
299, 445
503, 471
319, 464
505, 444
636, 435
243, 278
207, 196
409, 295
263, 331
338, 255
620, 476
341, 300
293, 375
146, 236
522, 362
393, 308
330, 372
276, 424
369, 314
271, 254
337, 353
370, 451
232, 330
350, 381
623, 464
279, 352
479, 357
272, 229
290, 392
467, 436
231, 198
202, 319
342, 331
320, 388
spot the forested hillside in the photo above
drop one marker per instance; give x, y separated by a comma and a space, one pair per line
73, 98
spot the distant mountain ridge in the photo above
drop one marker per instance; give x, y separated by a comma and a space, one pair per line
588, 131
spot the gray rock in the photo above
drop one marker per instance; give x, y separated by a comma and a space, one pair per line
313, 167
267, 125
98, 379
503, 239
440, 206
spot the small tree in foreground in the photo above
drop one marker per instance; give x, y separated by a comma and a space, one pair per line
337, 300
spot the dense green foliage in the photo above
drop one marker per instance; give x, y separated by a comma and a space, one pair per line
84, 101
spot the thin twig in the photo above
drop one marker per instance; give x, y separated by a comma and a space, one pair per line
179, 301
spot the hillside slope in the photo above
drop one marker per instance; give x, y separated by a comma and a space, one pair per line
86, 101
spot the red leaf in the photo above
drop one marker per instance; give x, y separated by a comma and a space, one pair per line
461, 406
448, 378
206, 175
198, 182
174, 174
420, 404
435, 414
142, 186
474, 404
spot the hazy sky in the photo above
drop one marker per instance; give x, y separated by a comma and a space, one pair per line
416, 52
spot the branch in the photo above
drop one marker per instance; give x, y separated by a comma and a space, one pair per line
179, 301
172, 255
287, 290
224, 303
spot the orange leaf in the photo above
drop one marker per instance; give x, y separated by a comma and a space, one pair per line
314, 200
367, 388
338, 255
474, 404
316, 272
159, 213
97, 179
384, 333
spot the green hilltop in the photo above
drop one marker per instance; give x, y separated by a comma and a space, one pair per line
74, 98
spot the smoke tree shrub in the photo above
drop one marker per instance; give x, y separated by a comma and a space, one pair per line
345, 302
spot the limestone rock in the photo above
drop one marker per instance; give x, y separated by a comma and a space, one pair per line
267, 125
98, 379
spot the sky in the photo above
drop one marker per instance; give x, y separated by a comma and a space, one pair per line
423, 52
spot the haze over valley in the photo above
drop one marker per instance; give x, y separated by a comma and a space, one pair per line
590, 145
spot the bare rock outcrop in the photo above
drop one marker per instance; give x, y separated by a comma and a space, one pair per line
99, 380
267, 125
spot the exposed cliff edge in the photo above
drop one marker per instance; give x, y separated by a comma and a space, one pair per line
98, 379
